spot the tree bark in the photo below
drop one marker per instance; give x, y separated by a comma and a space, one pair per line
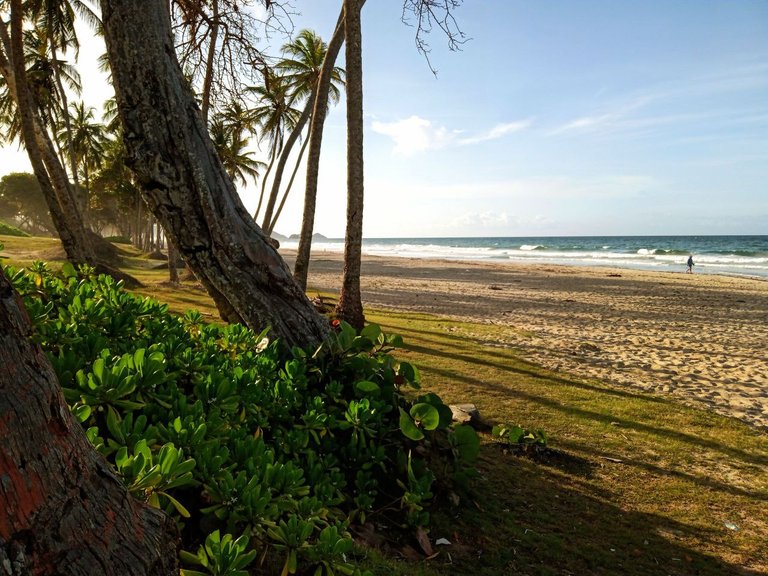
350, 307
185, 184
319, 112
173, 258
62, 509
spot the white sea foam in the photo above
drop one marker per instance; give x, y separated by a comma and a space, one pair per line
599, 254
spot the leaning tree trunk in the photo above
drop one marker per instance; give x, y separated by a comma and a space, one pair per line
279, 210
350, 307
268, 221
319, 111
185, 184
62, 509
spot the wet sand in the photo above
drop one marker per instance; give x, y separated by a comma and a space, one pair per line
701, 338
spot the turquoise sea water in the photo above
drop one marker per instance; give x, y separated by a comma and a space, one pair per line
731, 255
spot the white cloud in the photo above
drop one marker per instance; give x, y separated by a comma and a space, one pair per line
416, 134
497, 131
482, 219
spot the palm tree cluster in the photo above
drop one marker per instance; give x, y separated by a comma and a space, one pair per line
277, 118
80, 160
271, 115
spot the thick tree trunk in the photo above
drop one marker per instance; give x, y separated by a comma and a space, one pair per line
319, 112
185, 184
62, 509
350, 307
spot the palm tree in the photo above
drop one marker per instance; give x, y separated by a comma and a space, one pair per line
231, 146
319, 111
350, 307
45, 163
300, 67
88, 142
273, 115
56, 18
41, 82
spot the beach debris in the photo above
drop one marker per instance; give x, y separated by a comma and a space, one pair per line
611, 459
495, 287
442, 542
731, 526
468, 414
464, 413
614, 275
321, 305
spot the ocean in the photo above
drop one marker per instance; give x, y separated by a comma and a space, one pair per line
729, 255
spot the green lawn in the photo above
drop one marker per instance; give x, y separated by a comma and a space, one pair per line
636, 484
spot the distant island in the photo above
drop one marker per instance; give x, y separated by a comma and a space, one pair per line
315, 236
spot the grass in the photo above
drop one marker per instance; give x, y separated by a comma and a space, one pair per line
636, 484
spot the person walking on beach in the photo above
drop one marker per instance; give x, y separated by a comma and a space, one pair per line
690, 264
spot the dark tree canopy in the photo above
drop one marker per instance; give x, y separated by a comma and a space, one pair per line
22, 203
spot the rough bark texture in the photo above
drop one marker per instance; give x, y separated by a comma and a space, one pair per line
319, 112
350, 307
185, 184
62, 509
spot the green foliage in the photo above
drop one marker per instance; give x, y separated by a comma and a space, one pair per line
22, 200
9, 230
220, 556
519, 438
231, 434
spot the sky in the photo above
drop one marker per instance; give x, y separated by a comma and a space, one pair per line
597, 117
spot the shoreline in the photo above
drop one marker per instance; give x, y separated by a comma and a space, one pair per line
698, 337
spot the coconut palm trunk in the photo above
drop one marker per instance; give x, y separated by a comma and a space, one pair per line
65, 118
279, 211
277, 179
319, 112
208, 81
45, 164
272, 156
350, 307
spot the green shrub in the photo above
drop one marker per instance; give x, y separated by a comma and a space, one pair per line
232, 435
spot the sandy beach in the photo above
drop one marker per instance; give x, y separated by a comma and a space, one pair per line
701, 338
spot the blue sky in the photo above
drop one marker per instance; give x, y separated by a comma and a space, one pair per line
606, 117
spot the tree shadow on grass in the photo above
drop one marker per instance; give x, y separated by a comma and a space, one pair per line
677, 435
511, 355
535, 522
